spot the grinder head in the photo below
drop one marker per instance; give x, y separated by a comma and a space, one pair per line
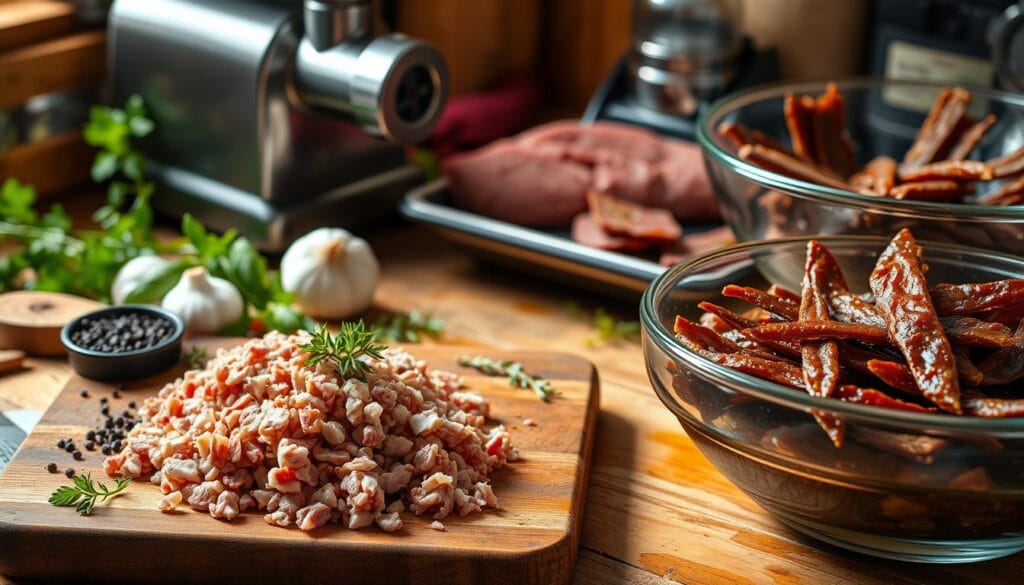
393, 86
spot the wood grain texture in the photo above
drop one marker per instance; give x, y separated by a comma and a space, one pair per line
70, 62
657, 512
531, 538
30, 21
52, 165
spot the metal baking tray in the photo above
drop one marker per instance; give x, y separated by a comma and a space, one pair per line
551, 254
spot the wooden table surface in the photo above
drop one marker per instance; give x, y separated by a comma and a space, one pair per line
657, 511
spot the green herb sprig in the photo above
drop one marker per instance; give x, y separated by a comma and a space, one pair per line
84, 493
352, 342
608, 328
411, 328
517, 376
194, 358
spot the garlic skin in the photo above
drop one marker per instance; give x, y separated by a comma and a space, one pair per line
132, 273
332, 273
205, 303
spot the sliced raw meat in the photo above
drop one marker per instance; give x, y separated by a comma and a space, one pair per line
508, 182
622, 218
597, 143
693, 244
586, 231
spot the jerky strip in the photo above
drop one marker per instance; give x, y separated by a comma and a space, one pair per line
701, 339
950, 170
931, 191
1008, 164
782, 373
741, 322
1009, 194
851, 393
1005, 365
877, 177
971, 137
964, 299
775, 305
740, 135
832, 146
986, 407
850, 308
965, 368
777, 290
785, 164
976, 333
813, 330
902, 298
799, 114
894, 374
938, 132
820, 358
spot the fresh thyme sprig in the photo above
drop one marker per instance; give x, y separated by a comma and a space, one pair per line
517, 377
411, 328
194, 358
85, 492
344, 349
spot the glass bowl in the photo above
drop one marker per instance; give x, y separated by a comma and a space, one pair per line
911, 486
883, 117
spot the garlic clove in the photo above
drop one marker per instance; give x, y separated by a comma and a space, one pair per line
205, 303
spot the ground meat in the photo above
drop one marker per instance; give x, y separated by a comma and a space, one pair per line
258, 430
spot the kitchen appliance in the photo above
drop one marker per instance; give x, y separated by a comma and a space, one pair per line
1006, 35
684, 55
275, 116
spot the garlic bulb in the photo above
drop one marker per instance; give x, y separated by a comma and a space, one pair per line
331, 273
205, 303
132, 273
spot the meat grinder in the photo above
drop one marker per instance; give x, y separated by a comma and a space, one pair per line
275, 116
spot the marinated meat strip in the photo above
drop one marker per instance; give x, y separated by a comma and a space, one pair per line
785, 164
971, 138
938, 133
1011, 193
622, 218
852, 393
876, 178
1009, 164
931, 191
819, 330
779, 372
894, 374
919, 448
832, 146
701, 339
777, 290
781, 307
976, 333
986, 407
740, 322
964, 299
1004, 366
586, 231
740, 135
969, 374
799, 113
949, 170
820, 357
901, 294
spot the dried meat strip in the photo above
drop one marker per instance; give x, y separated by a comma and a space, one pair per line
777, 306
964, 299
818, 330
931, 191
1004, 366
625, 219
779, 372
938, 132
820, 357
586, 231
1012, 193
969, 374
701, 339
987, 407
785, 164
950, 170
877, 177
740, 136
799, 113
741, 322
894, 374
777, 290
901, 294
971, 138
851, 393
1008, 164
832, 146
976, 333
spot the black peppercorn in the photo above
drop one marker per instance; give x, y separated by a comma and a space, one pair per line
131, 404
117, 445
69, 447
105, 410
52, 468
90, 445
78, 455
104, 400
61, 443
90, 436
70, 472
117, 394
84, 393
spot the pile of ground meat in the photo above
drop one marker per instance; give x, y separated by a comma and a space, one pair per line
258, 430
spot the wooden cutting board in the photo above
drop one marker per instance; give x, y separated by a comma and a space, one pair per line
531, 538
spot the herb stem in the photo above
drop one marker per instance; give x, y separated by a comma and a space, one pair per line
517, 376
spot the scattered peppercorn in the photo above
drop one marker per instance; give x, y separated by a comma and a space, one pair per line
105, 410
61, 443
131, 404
84, 393
125, 332
117, 394
117, 445
90, 436
52, 468
109, 424
90, 445
78, 455
70, 472
69, 447
106, 450
104, 400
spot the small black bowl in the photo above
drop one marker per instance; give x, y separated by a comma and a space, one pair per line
125, 365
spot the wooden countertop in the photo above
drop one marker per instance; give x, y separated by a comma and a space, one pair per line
657, 511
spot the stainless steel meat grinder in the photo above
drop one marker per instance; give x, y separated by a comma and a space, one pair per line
275, 116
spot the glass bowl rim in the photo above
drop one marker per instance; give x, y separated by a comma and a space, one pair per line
666, 342
812, 191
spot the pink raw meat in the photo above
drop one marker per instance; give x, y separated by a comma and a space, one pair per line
594, 144
509, 182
